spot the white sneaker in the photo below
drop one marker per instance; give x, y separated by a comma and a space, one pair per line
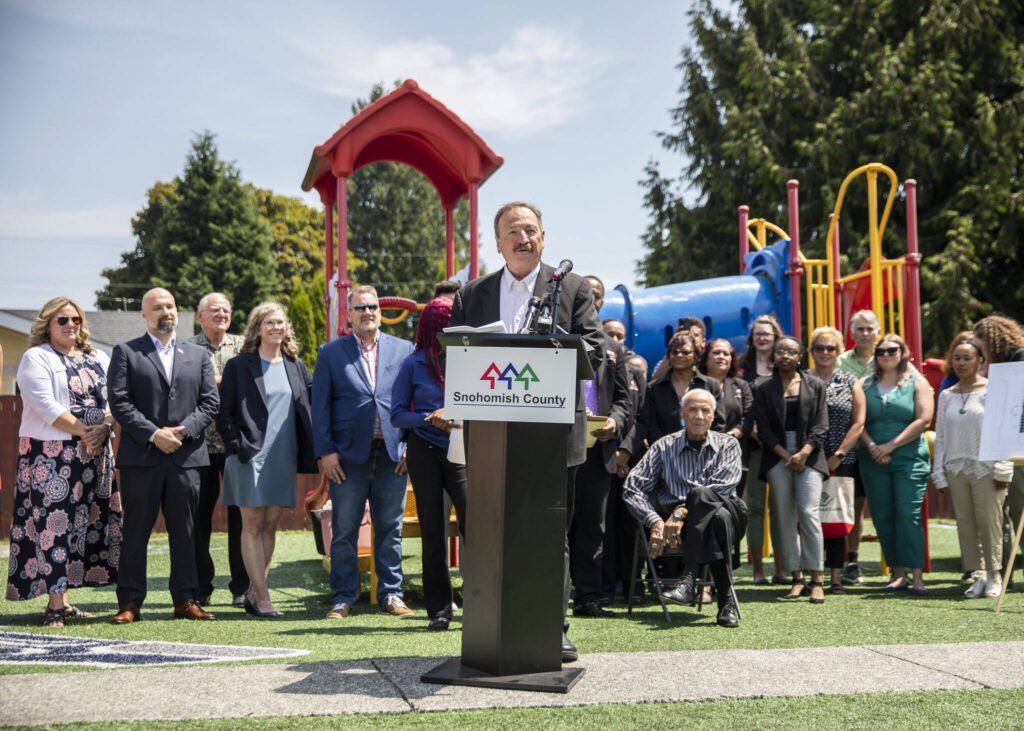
993, 587
977, 589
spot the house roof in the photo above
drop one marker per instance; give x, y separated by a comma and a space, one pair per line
107, 328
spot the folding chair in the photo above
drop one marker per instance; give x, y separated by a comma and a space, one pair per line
661, 585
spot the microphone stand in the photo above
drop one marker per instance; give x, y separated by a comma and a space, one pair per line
554, 305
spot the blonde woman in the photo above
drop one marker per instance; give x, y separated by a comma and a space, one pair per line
66, 526
267, 429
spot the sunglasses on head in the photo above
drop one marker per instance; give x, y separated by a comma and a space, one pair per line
62, 320
886, 351
825, 348
364, 308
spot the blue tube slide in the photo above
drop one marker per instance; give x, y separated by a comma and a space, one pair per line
727, 305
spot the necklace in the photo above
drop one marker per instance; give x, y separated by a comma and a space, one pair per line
964, 398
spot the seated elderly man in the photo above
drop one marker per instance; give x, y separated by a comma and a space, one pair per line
684, 490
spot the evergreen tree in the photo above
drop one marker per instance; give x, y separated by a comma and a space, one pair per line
809, 90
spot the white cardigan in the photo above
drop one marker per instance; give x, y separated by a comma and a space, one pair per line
43, 381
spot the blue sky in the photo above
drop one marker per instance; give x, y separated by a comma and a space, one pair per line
102, 99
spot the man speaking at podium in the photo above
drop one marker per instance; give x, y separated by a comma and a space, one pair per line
505, 295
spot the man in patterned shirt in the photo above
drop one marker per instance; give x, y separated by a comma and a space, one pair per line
214, 315
684, 491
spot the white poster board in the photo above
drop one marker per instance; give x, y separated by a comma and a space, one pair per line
1002, 430
511, 384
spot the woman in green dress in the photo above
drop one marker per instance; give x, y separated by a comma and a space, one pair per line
894, 459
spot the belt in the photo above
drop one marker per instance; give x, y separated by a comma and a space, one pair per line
377, 443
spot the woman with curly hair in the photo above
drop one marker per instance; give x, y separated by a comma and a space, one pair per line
66, 527
267, 427
417, 401
894, 461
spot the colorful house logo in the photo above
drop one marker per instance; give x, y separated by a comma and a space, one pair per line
508, 375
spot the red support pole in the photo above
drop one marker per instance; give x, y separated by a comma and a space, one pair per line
837, 287
912, 291
343, 284
449, 242
795, 269
328, 265
744, 246
474, 242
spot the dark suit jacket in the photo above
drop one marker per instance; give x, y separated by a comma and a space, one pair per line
811, 427
613, 398
479, 303
242, 421
143, 401
344, 404
637, 394
660, 416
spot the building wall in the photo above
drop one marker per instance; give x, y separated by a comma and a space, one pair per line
14, 344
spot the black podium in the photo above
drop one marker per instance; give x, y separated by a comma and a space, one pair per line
516, 515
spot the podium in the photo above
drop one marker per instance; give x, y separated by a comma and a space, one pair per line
517, 395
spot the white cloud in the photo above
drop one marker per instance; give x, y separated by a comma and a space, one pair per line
533, 81
31, 217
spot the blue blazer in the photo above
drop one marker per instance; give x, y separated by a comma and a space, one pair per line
344, 404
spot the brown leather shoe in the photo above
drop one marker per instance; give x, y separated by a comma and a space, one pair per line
190, 609
127, 614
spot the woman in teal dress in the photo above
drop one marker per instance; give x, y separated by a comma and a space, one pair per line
267, 429
893, 458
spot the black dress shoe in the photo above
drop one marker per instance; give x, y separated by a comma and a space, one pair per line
591, 609
251, 609
727, 615
569, 652
682, 594
439, 623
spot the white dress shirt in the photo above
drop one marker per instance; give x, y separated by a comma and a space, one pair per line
165, 353
515, 296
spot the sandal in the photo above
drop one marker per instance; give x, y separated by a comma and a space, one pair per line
53, 618
816, 599
794, 593
73, 612
837, 589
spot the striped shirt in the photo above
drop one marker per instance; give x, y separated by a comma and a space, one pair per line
674, 466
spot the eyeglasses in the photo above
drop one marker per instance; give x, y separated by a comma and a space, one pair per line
218, 310
825, 348
364, 308
886, 351
680, 351
63, 320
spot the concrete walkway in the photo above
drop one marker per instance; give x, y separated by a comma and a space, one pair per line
392, 685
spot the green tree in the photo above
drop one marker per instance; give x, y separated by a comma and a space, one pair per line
204, 235
300, 312
809, 90
297, 238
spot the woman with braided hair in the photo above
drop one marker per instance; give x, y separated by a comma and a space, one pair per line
417, 402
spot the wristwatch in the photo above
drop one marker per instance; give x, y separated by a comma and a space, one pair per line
678, 514
841, 455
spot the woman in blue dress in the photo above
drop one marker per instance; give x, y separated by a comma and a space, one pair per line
266, 425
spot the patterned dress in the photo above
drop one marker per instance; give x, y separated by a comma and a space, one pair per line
66, 528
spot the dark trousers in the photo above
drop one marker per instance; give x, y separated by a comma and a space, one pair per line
209, 492
145, 491
570, 492
593, 484
433, 476
619, 538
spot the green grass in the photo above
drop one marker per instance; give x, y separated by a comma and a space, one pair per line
865, 616
929, 710
300, 589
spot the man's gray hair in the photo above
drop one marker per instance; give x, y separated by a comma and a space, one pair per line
206, 298
867, 316
699, 393
361, 289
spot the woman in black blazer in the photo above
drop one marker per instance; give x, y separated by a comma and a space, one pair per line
792, 424
660, 414
266, 424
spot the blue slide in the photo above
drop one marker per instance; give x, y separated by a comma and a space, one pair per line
727, 305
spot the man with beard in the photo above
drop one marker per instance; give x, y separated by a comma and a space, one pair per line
163, 393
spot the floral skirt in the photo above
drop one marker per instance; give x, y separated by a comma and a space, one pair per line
66, 528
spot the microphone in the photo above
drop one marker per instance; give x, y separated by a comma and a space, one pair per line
559, 274
531, 314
